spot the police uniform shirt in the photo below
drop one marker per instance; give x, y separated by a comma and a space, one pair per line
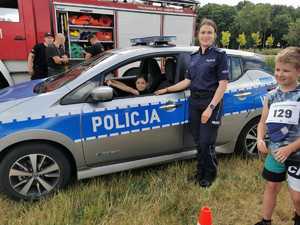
206, 70
95, 49
40, 66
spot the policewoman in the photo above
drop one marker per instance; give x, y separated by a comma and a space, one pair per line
207, 78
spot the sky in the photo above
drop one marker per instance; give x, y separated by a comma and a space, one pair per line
295, 3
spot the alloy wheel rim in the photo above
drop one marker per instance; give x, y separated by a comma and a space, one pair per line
34, 175
251, 141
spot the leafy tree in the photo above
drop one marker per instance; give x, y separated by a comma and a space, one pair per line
254, 17
223, 15
225, 38
256, 39
280, 27
242, 4
241, 40
270, 41
292, 37
247, 18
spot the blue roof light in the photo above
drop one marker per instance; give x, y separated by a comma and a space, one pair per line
153, 41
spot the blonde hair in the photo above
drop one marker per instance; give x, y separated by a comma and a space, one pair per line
290, 55
59, 37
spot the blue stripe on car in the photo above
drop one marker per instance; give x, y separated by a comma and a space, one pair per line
113, 122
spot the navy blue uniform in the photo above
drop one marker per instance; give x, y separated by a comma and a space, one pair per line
205, 72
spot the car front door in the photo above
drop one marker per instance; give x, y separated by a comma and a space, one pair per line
132, 127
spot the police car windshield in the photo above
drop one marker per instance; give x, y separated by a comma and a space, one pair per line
59, 80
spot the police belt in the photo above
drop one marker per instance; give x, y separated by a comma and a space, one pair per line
202, 94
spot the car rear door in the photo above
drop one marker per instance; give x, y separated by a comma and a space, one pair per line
239, 100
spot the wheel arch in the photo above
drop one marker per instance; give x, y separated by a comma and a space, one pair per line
73, 151
63, 149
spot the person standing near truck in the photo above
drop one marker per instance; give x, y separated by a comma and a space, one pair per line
56, 55
37, 58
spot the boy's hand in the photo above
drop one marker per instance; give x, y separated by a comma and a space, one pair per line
262, 147
282, 154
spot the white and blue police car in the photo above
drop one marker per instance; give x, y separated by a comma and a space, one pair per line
73, 126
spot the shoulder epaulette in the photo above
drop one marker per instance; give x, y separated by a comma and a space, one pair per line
195, 52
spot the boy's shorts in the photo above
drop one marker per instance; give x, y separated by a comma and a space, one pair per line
275, 171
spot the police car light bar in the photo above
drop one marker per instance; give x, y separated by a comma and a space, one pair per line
153, 41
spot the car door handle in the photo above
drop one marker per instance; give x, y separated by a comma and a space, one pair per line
243, 94
20, 38
169, 106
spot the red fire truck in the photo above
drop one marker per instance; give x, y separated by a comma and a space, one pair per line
24, 22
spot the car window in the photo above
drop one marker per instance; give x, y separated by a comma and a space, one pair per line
57, 81
81, 93
3, 82
236, 68
9, 11
155, 70
255, 64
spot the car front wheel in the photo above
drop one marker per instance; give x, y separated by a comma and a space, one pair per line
32, 171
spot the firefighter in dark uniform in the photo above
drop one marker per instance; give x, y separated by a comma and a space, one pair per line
207, 78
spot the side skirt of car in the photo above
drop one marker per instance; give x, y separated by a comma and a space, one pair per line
101, 170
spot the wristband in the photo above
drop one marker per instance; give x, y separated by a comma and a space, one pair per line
260, 141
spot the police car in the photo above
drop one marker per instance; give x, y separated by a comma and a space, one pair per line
73, 126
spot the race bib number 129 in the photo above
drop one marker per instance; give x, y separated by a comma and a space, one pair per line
284, 112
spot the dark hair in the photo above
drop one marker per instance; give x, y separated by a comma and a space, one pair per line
208, 22
141, 76
92, 35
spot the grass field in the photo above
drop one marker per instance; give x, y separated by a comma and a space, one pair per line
160, 195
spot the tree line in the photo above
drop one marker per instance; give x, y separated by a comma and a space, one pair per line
249, 25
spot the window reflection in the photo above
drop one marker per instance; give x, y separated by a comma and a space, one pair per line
9, 11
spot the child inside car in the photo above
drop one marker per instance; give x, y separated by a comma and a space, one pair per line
141, 86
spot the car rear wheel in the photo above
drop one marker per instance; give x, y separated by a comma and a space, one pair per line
246, 144
32, 171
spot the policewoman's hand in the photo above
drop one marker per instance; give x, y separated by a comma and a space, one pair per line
206, 115
282, 154
262, 147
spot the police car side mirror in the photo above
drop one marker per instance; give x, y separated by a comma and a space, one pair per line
102, 93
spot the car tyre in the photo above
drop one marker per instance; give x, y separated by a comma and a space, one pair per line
34, 170
246, 143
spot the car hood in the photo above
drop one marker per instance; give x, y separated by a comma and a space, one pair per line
17, 94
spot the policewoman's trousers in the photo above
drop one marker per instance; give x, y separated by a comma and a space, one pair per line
205, 136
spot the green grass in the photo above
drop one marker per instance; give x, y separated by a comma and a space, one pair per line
159, 195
